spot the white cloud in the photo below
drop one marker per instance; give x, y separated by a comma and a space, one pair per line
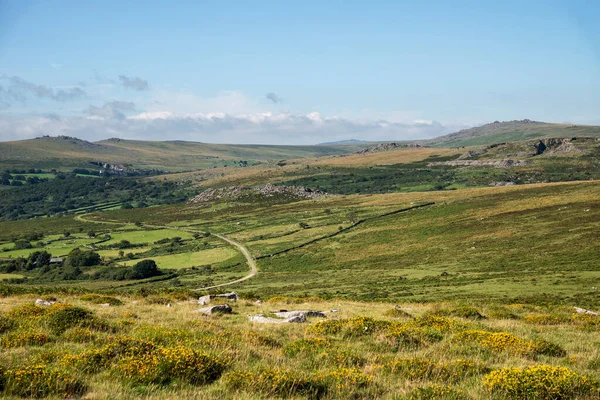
218, 127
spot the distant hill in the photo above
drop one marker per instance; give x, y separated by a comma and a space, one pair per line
347, 141
512, 131
64, 152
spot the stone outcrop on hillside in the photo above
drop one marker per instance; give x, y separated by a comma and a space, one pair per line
235, 193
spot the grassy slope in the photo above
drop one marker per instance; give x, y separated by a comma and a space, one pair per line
510, 132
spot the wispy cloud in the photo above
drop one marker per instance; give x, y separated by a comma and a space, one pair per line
111, 110
134, 83
274, 98
18, 89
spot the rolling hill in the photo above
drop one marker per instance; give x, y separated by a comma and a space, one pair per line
65, 152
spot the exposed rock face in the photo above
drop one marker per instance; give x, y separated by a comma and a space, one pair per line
218, 309
556, 146
491, 163
204, 300
502, 184
388, 146
235, 193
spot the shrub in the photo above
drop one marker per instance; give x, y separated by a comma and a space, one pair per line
59, 318
543, 319
79, 335
586, 322
20, 338
539, 382
436, 392
345, 379
41, 381
356, 326
165, 364
26, 312
396, 313
275, 382
303, 345
6, 324
95, 360
501, 313
406, 336
100, 299
502, 341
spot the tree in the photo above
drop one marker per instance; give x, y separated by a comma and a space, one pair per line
144, 269
78, 258
38, 259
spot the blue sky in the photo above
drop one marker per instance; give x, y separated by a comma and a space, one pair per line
293, 72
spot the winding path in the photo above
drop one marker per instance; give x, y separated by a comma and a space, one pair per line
241, 248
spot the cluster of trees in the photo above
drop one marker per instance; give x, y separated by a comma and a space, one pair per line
76, 266
16, 177
71, 192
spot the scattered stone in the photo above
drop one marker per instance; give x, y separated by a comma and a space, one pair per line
105, 305
40, 302
135, 302
388, 146
169, 305
584, 311
218, 309
258, 302
204, 300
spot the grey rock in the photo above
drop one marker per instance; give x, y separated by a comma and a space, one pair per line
218, 309
204, 300
40, 302
229, 296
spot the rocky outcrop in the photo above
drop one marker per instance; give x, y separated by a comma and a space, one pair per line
490, 163
387, 147
232, 193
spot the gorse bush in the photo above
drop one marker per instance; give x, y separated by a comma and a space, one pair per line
61, 317
24, 337
95, 360
424, 369
543, 319
540, 382
436, 392
163, 365
396, 313
502, 341
42, 381
275, 382
356, 326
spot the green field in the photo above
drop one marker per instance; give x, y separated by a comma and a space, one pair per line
188, 260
